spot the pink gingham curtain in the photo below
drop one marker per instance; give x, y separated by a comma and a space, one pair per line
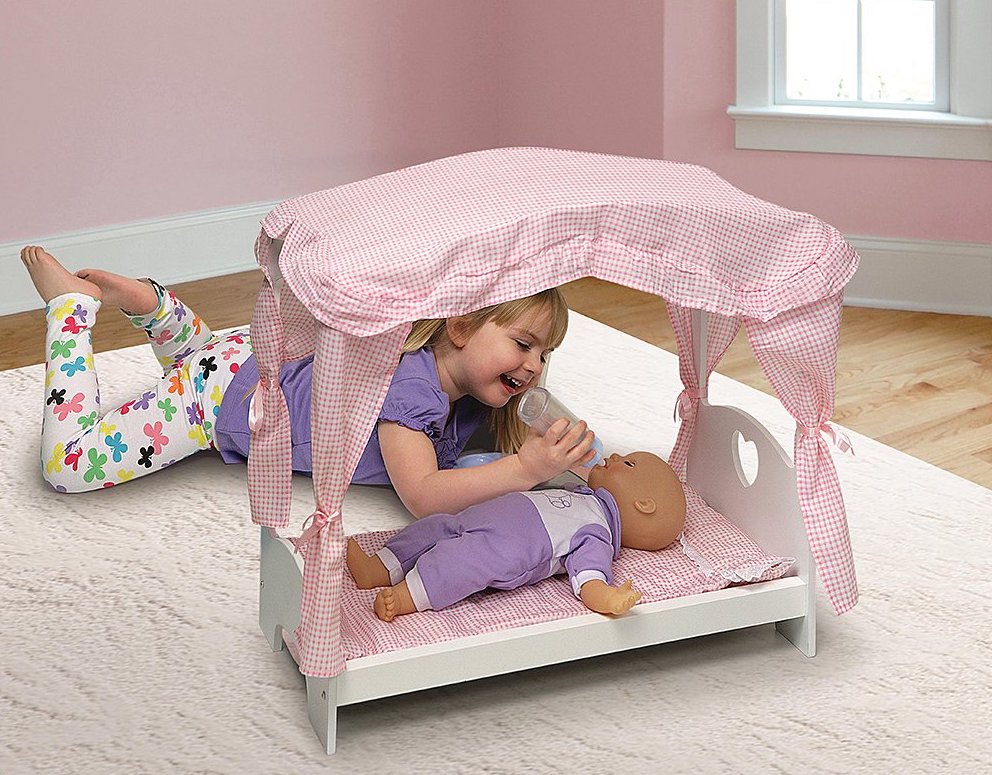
798, 353
720, 333
269, 476
351, 376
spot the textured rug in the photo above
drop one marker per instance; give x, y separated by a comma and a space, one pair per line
129, 639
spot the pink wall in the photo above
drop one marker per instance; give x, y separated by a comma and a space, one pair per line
118, 111
861, 195
583, 75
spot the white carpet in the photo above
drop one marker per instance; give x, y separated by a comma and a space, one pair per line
129, 639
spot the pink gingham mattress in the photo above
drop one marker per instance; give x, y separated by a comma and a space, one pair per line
711, 554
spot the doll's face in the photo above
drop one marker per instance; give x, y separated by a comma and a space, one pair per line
649, 495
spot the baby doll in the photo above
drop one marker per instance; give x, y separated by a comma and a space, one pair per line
521, 538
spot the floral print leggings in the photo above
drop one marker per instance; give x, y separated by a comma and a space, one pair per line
83, 449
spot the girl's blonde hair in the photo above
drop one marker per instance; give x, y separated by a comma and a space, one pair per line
508, 430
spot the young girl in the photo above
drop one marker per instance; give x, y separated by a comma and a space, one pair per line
455, 374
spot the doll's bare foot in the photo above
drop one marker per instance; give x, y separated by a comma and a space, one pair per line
51, 279
368, 572
135, 296
393, 601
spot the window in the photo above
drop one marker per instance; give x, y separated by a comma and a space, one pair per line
880, 77
862, 53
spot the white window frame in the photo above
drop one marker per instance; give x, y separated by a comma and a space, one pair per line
962, 132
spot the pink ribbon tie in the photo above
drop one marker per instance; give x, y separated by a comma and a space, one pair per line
256, 404
318, 521
685, 403
839, 439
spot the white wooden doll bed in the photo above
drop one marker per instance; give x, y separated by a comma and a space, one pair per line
775, 510
766, 510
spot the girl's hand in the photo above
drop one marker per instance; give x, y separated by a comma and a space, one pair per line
561, 448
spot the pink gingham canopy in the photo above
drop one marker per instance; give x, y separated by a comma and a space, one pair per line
348, 269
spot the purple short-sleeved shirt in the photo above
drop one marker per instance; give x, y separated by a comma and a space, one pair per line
414, 400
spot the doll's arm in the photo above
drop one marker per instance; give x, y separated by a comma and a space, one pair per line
602, 598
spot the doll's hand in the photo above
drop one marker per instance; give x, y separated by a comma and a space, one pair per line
561, 448
623, 598
604, 599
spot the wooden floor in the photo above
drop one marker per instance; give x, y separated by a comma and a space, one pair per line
919, 382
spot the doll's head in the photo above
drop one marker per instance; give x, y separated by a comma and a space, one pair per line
649, 496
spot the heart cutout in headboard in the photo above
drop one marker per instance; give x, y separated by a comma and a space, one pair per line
745, 454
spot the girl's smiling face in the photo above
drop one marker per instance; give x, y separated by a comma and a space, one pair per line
496, 363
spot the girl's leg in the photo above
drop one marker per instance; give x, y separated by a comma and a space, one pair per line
186, 348
173, 329
80, 449
193, 356
188, 351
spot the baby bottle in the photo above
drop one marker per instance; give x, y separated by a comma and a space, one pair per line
540, 410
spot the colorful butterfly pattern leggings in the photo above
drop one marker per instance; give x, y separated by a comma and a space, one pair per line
83, 449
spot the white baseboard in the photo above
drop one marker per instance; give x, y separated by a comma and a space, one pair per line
924, 276
172, 250
952, 277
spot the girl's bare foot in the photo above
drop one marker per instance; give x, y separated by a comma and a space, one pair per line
368, 572
126, 293
51, 279
393, 601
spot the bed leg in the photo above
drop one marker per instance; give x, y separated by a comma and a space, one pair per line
268, 615
799, 633
322, 704
273, 635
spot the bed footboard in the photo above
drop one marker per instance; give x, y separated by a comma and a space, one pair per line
280, 591
740, 470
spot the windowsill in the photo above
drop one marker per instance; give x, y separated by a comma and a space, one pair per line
862, 131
